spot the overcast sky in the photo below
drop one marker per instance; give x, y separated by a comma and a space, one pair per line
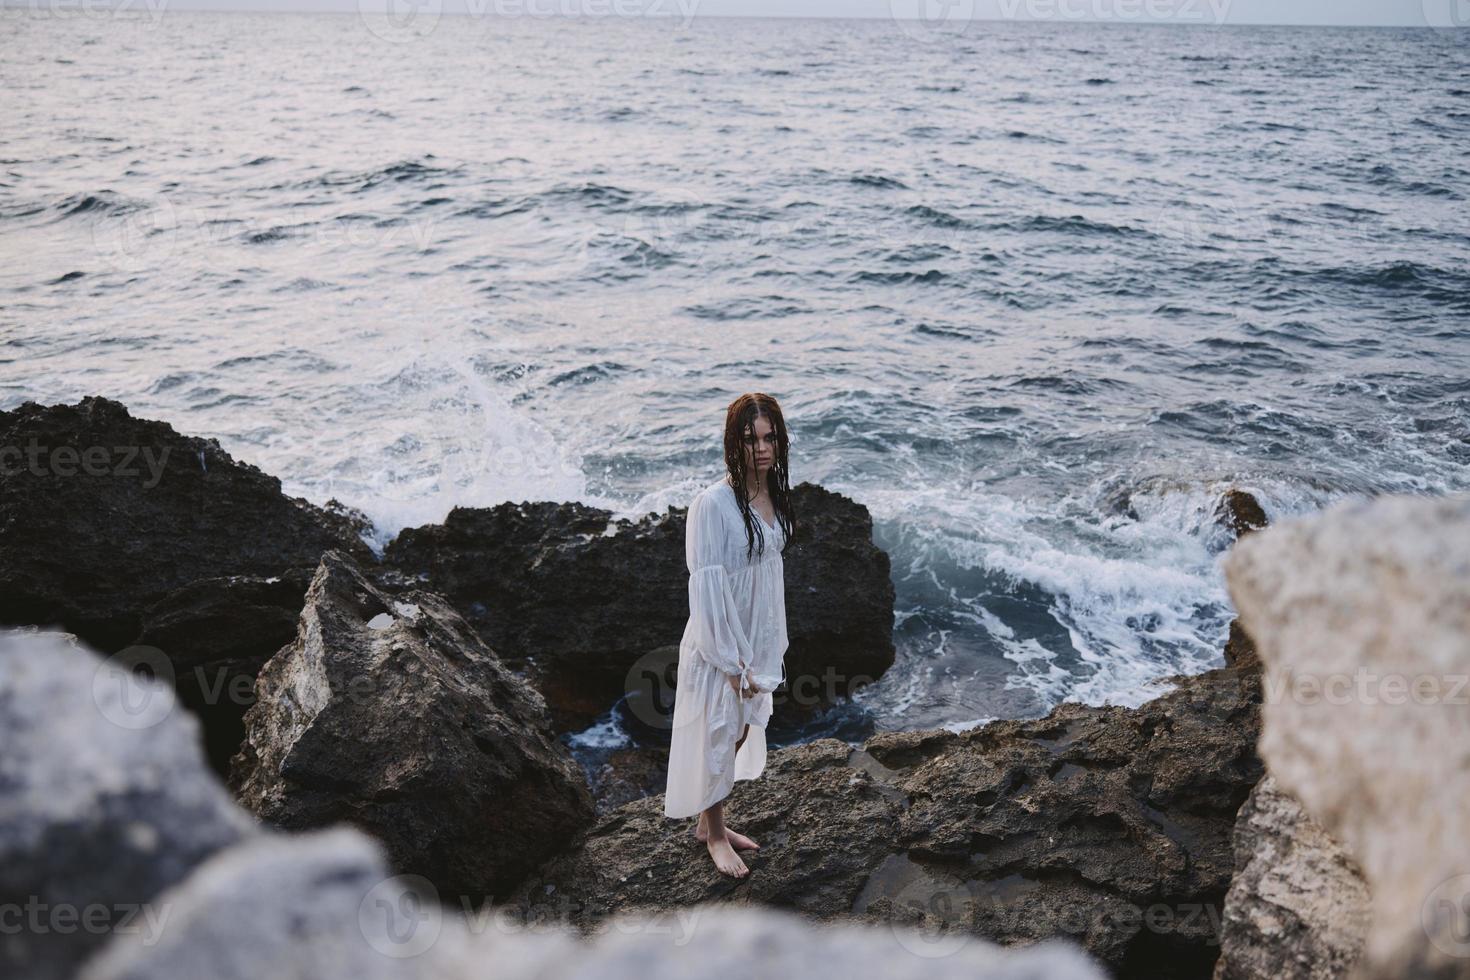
1435, 13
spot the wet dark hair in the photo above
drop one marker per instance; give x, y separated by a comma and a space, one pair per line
739, 424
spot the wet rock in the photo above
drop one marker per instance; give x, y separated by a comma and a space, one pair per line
576, 600
104, 801
389, 713
629, 774
216, 634
171, 509
1239, 512
1297, 908
1109, 826
1361, 617
1240, 649
839, 599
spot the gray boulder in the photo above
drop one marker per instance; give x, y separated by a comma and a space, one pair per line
1361, 618
1297, 908
322, 906
314, 906
105, 801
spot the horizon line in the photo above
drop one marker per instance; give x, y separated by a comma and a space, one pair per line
77, 9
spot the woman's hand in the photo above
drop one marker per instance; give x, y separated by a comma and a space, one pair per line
750, 690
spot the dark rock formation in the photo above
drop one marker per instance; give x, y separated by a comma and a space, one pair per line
1107, 825
839, 599
104, 802
102, 515
1240, 649
388, 712
629, 774
129, 534
1240, 512
576, 599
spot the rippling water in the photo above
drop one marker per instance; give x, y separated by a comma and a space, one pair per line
1006, 284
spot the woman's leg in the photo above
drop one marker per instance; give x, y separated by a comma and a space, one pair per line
718, 843
714, 817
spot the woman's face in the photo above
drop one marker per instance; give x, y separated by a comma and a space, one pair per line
760, 449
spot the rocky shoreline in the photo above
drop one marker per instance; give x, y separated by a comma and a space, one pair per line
419, 699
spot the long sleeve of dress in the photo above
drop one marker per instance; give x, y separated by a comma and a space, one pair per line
718, 635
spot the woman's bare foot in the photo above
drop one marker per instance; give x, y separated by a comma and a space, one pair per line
738, 841
726, 859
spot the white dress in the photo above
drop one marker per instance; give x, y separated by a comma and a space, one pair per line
737, 619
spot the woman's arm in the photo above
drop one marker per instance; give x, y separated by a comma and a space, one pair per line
718, 635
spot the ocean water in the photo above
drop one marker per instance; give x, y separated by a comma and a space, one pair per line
1035, 294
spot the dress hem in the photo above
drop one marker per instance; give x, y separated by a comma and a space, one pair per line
723, 793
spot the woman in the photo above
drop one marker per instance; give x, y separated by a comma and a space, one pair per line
732, 655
